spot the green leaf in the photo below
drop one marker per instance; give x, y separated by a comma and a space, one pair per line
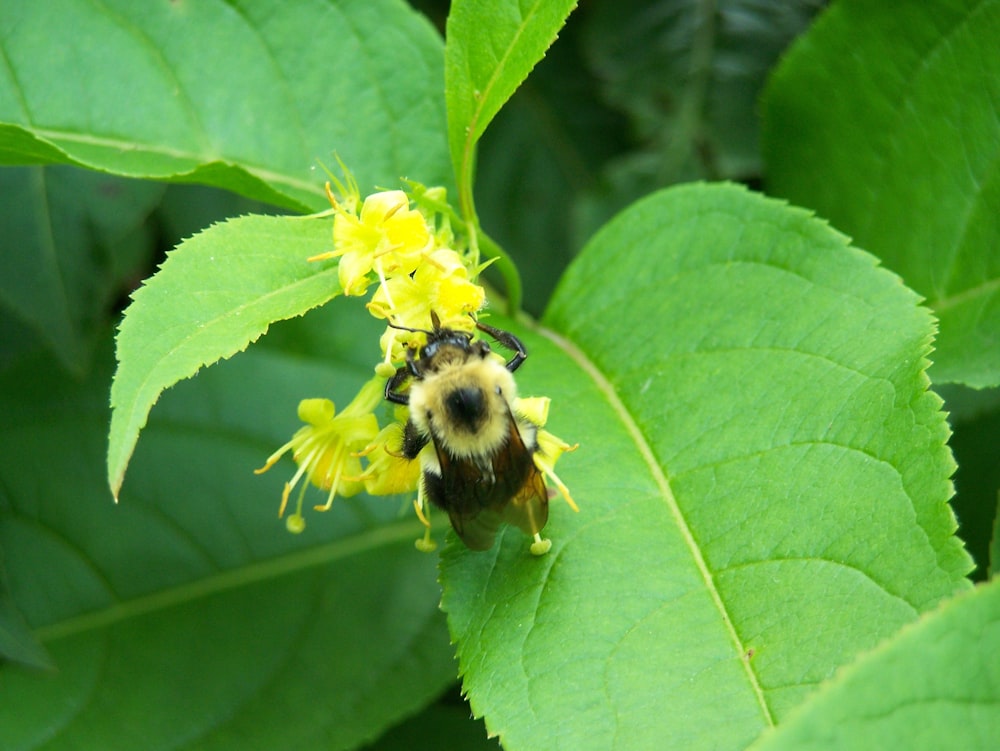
17, 643
441, 725
762, 481
995, 542
186, 617
975, 419
250, 98
885, 118
688, 75
933, 686
70, 239
490, 49
532, 225
216, 293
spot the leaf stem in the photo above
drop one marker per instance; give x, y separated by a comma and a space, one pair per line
480, 243
507, 269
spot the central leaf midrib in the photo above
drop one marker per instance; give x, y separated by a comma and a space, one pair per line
231, 579
646, 452
265, 174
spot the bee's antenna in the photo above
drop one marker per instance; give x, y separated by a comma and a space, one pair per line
435, 322
407, 328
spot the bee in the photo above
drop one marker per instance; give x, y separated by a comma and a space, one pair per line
476, 453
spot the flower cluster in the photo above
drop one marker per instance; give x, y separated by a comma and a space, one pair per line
425, 278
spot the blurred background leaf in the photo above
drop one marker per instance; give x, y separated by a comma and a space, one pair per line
687, 75
17, 641
252, 98
75, 242
186, 615
633, 96
975, 419
885, 119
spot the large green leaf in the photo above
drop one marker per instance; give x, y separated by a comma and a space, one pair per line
186, 617
885, 118
216, 293
762, 481
250, 97
935, 686
69, 241
490, 49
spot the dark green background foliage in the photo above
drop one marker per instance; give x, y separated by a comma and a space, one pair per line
758, 245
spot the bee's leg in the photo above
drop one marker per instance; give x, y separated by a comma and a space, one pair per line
392, 386
509, 341
413, 441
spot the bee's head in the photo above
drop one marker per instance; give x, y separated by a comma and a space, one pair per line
442, 346
466, 407
463, 403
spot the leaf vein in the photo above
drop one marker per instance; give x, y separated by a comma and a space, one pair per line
231, 579
666, 494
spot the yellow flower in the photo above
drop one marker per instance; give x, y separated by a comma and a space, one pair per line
326, 448
388, 237
550, 448
441, 283
535, 409
388, 471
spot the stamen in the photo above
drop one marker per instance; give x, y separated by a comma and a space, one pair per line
550, 472
284, 499
298, 504
383, 284
426, 256
418, 507
389, 214
303, 466
388, 348
540, 546
336, 479
273, 458
425, 544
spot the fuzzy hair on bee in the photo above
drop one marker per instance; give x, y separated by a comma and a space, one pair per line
476, 453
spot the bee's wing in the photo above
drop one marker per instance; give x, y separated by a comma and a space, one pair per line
472, 506
529, 508
477, 531
512, 500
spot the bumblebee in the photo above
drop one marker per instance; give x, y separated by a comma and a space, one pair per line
476, 453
